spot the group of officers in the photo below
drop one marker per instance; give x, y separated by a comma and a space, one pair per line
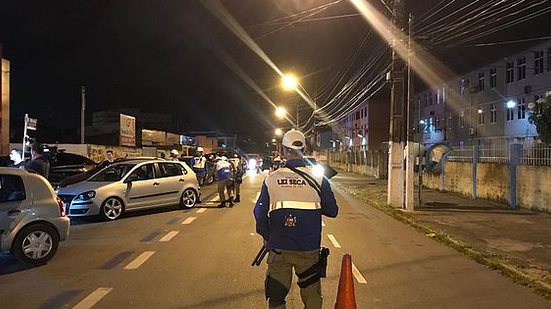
228, 172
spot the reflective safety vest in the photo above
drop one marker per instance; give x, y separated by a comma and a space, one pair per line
223, 170
199, 163
288, 190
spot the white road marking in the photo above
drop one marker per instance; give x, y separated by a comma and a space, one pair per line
201, 210
169, 236
322, 223
213, 199
256, 197
358, 275
333, 241
93, 298
252, 234
189, 220
139, 260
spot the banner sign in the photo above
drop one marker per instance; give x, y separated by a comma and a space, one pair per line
127, 130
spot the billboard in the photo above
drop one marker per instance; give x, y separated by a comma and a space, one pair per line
127, 133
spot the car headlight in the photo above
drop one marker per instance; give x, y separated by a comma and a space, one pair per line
318, 170
252, 164
86, 196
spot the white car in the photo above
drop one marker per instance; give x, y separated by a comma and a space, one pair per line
132, 185
32, 218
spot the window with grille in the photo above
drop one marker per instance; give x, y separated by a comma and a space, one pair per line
538, 62
521, 68
493, 78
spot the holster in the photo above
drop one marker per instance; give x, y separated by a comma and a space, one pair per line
316, 271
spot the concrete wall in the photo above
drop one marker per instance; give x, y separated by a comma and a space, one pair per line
493, 183
533, 187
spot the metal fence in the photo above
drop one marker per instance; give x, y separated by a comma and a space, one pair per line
530, 154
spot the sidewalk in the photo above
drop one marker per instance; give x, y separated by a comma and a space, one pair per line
516, 242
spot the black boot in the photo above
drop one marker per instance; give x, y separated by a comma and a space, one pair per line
231, 201
237, 199
222, 204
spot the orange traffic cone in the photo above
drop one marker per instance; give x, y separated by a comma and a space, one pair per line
346, 298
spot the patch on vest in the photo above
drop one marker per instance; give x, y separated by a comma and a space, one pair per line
290, 221
291, 182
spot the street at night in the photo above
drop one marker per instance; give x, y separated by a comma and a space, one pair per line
201, 259
275, 154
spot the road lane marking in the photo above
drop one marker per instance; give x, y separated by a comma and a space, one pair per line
358, 275
322, 223
201, 210
169, 236
333, 241
256, 197
139, 260
189, 220
252, 234
93, 298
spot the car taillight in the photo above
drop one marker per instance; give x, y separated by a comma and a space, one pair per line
62, 211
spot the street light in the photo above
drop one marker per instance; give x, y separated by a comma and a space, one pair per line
281, 112
278, 132
289, 82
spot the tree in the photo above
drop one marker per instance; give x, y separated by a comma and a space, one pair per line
541, 118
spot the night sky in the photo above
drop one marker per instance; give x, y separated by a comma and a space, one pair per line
166, 56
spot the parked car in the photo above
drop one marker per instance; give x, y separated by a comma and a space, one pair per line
32, 219
132, 185
103, 164
64, 165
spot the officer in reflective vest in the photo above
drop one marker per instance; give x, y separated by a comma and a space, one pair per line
199, 165
288, 216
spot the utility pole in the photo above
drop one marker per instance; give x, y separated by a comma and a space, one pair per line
82, 112
409, 202
397, 111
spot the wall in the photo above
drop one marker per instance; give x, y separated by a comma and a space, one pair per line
493, 183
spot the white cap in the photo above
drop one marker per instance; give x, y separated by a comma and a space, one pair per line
223, 158
294, 139
200, 149
174, 152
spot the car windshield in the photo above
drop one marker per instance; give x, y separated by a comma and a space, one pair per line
113, 173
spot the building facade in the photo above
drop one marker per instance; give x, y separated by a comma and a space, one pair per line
488, 106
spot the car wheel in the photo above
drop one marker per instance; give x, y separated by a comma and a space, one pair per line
188, 199
112, 208
35, 244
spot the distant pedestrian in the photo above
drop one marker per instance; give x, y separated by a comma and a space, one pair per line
239, 171
223, 173
39, 164
109, 156
16, 159
199, 165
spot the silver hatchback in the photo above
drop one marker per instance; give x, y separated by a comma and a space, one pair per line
132, 185
32, 218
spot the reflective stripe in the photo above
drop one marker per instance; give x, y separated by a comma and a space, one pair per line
294, 205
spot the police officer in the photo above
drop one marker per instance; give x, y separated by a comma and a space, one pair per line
288, 216
174, 155
224, 173
199, 165
239, 171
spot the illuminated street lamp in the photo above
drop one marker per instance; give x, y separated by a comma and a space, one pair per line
511, 104
278, 132
281, 112
289, 82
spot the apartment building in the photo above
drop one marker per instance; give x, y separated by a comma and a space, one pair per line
487, 106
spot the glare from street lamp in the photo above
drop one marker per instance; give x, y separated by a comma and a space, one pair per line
281, 112
278, 132
289, 82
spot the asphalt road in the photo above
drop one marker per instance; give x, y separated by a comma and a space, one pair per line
201, 259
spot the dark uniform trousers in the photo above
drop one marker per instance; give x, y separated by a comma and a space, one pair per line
280, 275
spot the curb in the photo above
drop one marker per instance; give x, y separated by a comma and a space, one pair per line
491, 260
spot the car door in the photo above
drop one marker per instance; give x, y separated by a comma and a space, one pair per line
171, 180
13, 201
142, 187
